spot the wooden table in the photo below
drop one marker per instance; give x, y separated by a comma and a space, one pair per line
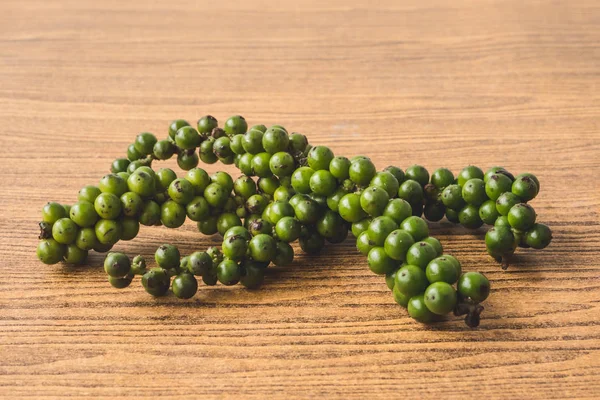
438, 83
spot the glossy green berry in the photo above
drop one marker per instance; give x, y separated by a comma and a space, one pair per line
400, 298
163, 178
411, 191
525, 187
532, 177
236, 144
172, 214
521, 216
364, 244
199, 263
156, 282
410, 280
167, 256
390, 279
216, 195
499, 171
49, 251
398, 210
417, 173
362, 171
252, 276
252, 141
163, 149
282, 164
262, 247
245, 164
539, 236
229, 272
119, 165
473, 192
244, 186
150, 213
361, 226
397, 243
188, 159
288, 229
64, 231
117, 265
52, 212
113, 183
256, 203
86, 238
442, 269
452, 197
283, 193
467, 173
496, 185
301, 179
142, 183
308, 211
418, 310
379, 262
268, 185
275, 140
500, 241
506, 201
297, 143
284, 254
323, 183
502, 221
181, 191
260, 165
144, 142
108, 231
442, 177
474, 285
420, 254
175, 125
333, 200
350, 209
184, 286
488, 212
380, 228
222, 147
131, 204
83, 214
440, 298
227, 220
397, 172
373, 200
319, 157
312, 243
339, 167
206, 124
199, 179
235, 125
435, 243
328, 224
386, 181
87, 193
468, 216
278, 210
133, 154
416, 226
130, 227
206, 152
107, 206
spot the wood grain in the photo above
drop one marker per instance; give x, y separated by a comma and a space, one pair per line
438, 83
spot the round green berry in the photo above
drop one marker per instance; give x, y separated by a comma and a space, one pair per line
474, 285
440, 298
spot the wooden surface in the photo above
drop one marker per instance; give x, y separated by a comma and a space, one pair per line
438, 83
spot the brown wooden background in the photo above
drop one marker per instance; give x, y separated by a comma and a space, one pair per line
439, 83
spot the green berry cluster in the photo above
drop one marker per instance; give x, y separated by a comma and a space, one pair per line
475, 198
289, 190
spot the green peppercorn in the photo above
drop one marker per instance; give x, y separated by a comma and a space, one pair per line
49, 251
87, 193
441, 178
525, 187
420, 254
496, 185
397, 172
467, 173
163, 149
417, 173
488, 212
374, 200
206, 124
386, 181
474, 285
468, 216
442, 269
362, 171
119, 165
397, 244
521, 217
117, 265
440, 298
175, 126
538, 237
156, 282
418, 310
416, 226
144, 142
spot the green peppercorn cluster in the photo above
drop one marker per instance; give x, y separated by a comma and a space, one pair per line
474, 198
290, 191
